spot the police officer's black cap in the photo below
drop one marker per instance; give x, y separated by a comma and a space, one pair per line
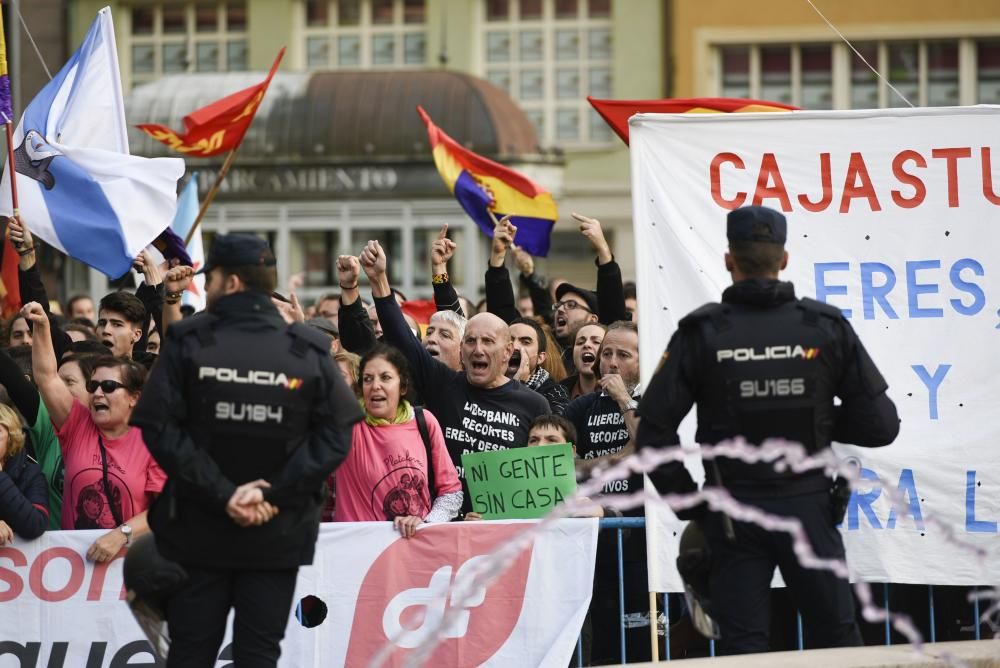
756, 223
238, 250
589, 296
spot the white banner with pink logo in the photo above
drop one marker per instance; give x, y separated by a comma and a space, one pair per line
893, 218
58, 609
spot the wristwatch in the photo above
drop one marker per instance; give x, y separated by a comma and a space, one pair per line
631, 405
127, 530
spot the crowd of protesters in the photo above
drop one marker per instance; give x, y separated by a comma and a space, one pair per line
537, 361
473, 378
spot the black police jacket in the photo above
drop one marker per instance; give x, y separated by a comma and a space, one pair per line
763, 364
237, 395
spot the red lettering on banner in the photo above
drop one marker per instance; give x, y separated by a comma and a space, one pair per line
951, 156
858, 184
16, 586
991, 197
99, 575
77, 569
715, 178
826, 181
904, 177
769, 172
407, 595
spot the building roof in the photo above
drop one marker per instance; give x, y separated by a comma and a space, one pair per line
344, 116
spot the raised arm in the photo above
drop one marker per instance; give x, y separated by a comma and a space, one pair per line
426, 370
610, 292
54, 392
538, 287
356, 332
445, 296
499, 292
175, 282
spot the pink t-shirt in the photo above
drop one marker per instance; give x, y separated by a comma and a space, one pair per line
385, 474
133, 474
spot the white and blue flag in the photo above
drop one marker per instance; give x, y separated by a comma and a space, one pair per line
78, 188
187, 213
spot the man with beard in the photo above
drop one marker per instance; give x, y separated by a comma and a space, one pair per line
480, 408
606, 423
526, 362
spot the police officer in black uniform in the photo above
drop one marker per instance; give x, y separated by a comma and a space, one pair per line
248, 416
763, 364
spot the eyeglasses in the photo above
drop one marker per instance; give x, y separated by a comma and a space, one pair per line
570, 305
107, 386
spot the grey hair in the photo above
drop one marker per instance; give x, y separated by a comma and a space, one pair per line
453, 319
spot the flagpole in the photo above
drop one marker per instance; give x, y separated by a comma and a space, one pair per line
210, 196
7, 111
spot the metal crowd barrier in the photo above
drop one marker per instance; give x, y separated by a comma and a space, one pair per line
619, 524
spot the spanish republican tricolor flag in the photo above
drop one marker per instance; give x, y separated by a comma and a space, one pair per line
218, 127
482, 186
617, 112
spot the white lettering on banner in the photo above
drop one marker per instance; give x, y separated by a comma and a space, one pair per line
894, 231
54, 603
435, 600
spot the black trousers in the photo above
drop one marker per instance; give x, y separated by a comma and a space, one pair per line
742, 570
197, 615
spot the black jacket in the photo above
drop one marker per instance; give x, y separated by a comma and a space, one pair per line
24, 497
239, 395
763, 364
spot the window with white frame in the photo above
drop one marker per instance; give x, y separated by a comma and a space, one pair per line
549, 55
927, 72
169, 38
366, 34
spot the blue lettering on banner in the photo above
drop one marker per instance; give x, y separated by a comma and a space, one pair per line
871, 293
972, 525
978, 297
932, 382
878, 281
823, 291
908, 487
863, 502
914, 289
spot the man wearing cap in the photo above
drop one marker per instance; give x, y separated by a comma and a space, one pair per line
328, 327
248, 416
765, 364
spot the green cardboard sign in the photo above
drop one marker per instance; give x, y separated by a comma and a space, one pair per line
520, 483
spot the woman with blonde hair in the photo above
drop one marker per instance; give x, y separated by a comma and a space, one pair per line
24, 493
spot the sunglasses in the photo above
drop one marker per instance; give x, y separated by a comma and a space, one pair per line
107, 386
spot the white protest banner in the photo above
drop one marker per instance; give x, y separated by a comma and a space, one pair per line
894, 217
58, 610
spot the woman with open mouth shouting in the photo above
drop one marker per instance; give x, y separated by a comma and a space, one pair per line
110, 477
399, 468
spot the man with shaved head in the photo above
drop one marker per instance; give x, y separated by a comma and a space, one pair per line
480, 408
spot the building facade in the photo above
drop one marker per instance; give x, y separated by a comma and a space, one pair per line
547, 56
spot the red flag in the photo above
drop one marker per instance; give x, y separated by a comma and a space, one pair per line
218, 127
10, 290
617, 112
420, 310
